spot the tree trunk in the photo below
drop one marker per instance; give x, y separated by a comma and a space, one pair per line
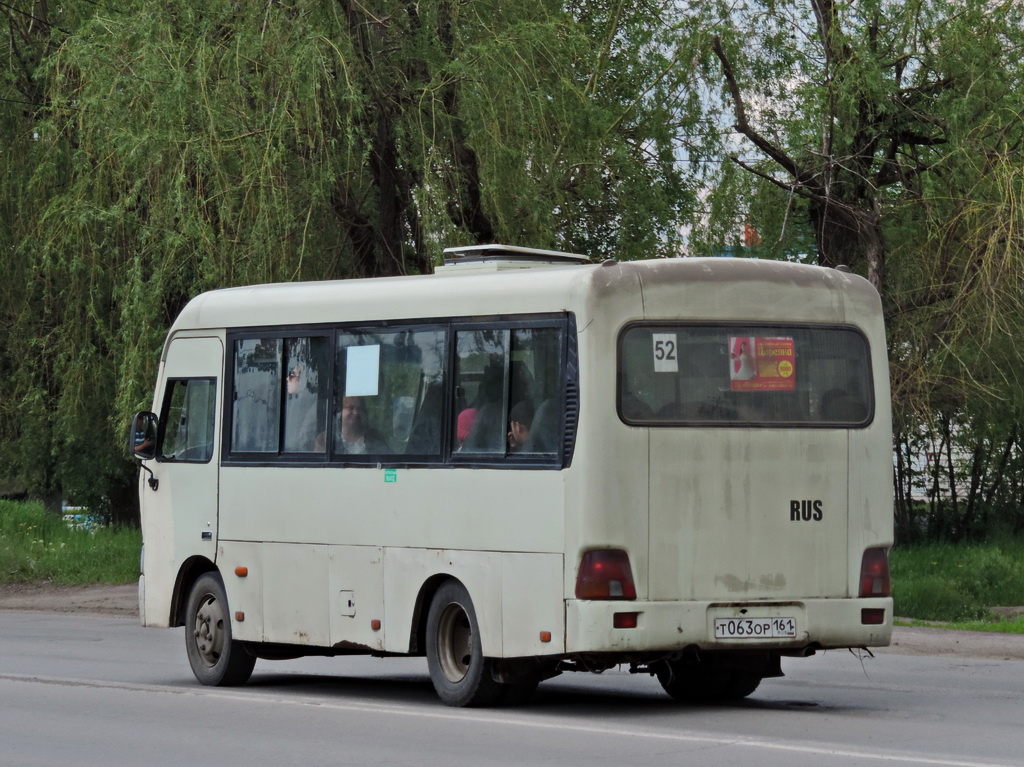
902, 492
53, 502
954, 501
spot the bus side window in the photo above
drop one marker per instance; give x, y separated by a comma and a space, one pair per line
305, 397
387, 392
538, 353
509, 397
187, 422
256, 406
481, 377
414, 376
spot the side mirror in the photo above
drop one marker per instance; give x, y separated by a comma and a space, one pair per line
142, 440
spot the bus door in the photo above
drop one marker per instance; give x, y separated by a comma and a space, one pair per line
179, 515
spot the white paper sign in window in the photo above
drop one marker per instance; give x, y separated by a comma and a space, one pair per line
362, 371
666, 352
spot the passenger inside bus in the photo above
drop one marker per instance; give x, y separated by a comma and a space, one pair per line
519, 421
464, 426
488, 428
354, 435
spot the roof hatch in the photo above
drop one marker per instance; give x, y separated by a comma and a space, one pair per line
492, 258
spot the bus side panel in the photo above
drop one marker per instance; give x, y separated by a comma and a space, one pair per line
356, 596
438, 508
532, 605
295, 603
245, 591
407, 570
353, 593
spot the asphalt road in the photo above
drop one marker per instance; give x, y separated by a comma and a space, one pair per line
104, 691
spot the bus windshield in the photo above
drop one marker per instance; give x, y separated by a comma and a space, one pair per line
693, 374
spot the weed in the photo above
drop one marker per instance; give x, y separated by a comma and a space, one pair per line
951, 582
37, 546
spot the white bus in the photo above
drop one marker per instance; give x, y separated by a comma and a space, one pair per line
521, 465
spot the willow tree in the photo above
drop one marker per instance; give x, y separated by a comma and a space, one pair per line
177, 147
28, 174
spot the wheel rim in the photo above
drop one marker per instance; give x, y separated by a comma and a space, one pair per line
209, 630
454, 642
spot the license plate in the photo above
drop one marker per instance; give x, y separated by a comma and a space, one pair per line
755, 628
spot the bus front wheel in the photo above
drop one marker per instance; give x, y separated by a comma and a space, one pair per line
216, 659
458, 670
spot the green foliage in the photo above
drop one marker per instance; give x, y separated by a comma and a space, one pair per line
38, 546
153, 151
946, 582
887, 136
937, 599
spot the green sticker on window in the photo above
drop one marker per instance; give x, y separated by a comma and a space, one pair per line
391, 475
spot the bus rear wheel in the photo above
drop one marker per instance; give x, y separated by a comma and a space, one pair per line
458, 670
216, 659
692, 682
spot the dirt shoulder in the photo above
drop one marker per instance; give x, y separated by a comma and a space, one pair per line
963, 644
121, 601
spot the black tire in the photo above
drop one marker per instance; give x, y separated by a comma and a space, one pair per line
458, 670
216, 659
692, 682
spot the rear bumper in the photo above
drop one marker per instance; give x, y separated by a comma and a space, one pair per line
672, 626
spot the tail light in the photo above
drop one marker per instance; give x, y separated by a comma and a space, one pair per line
625, 620
605, 574
872, 616
874, 574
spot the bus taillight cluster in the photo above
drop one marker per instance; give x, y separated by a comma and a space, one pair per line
605, 574
874, 573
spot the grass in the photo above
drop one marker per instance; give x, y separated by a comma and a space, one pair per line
991, 625
1015, 626
956, 584
36, 546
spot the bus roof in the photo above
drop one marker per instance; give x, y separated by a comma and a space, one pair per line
469, 291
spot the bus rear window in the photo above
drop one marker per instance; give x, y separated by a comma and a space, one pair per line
684, 374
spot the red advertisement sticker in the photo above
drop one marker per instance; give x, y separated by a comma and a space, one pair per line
762, 364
